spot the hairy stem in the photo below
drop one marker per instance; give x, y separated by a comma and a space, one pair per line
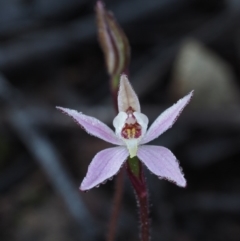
144, 217
139, 184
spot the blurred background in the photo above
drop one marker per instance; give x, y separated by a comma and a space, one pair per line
49, 55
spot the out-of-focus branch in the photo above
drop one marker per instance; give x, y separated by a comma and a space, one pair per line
45, 154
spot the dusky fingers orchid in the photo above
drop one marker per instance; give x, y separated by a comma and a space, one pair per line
131, 135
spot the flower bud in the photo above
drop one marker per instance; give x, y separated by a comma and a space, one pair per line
114, 43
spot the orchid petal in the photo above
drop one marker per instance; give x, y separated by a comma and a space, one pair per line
160, 161
166, 119
93, 126
142, 120
104, 165
127, 96
119, 122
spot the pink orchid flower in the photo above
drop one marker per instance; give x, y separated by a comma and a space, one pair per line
131, 135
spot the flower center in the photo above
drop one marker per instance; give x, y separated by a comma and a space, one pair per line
131, 131
131, 128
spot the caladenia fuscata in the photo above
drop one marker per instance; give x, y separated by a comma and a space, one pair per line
131, 136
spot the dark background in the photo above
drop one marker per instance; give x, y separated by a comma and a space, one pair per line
49, 55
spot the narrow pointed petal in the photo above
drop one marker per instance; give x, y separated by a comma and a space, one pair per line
93, 126
127, 96
166, 119
160, 161
103, 166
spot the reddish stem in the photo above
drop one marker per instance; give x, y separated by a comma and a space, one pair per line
139, 185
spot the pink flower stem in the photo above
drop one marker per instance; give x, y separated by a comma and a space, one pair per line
136, 176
